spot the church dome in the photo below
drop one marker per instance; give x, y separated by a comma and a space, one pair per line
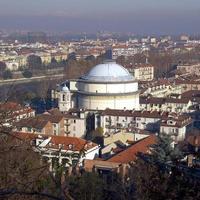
109, 71
65, 88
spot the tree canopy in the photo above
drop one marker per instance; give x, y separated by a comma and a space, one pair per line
34, 62
7, 74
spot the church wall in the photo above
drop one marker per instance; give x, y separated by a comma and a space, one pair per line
108, 88
112, 102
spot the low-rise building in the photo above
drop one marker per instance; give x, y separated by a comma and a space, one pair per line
177, 127
121, 160
115, 120
143, 72
67, 151
116, 142
46, 124
188, 84
75, 123
129, 155
11, 112
165, 104
189, 68
123, 50
112, 121
159, 88
53, 122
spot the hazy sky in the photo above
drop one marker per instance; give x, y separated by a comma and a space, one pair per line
137, 16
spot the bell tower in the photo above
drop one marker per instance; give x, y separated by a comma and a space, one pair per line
64, 101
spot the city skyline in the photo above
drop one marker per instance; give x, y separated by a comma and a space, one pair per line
140, 17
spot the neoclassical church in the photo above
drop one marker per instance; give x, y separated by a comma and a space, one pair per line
107, 85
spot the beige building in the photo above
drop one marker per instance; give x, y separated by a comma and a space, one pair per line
159, 88
165, 104
143, 72
177, 127
187, 85
189, 69
75, 124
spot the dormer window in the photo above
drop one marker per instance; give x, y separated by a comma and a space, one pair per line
171, 122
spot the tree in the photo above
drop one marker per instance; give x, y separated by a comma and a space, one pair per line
34, 62
163, 151
71, 56
151, 182
53, 61
7, 74
27, 74
2, 67
87, 186
90, 58
22, 176
159, 177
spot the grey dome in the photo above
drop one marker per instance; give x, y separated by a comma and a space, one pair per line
65, 88
109, 71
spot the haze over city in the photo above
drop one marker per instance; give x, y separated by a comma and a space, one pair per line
137, 16
99, 99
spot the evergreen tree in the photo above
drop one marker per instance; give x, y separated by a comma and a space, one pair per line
7, 74
27, 74
164, 151
34, 62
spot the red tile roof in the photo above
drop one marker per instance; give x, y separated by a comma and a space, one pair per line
77, 144
130, 154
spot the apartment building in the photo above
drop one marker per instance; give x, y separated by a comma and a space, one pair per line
11, 112
176, 126
189, 68
112, 121
42, 124
165, 104
143, 72
159, 88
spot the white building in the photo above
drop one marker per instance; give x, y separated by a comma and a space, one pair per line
177, 127
124, 51
188, 69
143, 72
165, 104
113, 121
61, 149
108, 85
12, 65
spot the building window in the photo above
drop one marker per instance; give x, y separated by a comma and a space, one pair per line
74, 128
74, 121
63, 97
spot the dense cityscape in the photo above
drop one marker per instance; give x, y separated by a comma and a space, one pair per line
102, 115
